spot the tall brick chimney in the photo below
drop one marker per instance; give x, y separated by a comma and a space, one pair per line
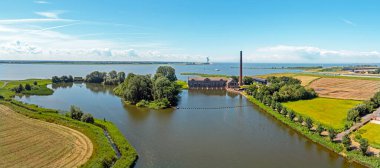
241, 69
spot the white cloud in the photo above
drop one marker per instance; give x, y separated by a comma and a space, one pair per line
309, 54
40, 20
349, 22
50, 14
41, 2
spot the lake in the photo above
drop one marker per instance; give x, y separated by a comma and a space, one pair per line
235, 137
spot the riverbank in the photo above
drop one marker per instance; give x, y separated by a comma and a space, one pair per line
336, 147
103, 153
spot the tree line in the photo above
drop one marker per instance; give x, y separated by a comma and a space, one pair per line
157, 91
362, 109
20, 88
110, 78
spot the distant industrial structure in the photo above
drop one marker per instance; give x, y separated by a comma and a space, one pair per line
221, 82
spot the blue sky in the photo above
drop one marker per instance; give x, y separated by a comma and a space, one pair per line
288, 31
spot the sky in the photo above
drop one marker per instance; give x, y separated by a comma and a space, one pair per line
270, 31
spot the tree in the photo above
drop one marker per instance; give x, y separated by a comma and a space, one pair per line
35, 83
55, 79
291, 114
96, 77
164, 88
88, 118
320, 129
235, 78
139, 87
284, 111
20, 88
309, 123
121, 77
168, 72
346, 142
353, 115
28, 87
332, 134
75, 113
247, 80
363, 145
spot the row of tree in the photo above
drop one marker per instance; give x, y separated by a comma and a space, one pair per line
367, 107
64, 78
281, 89
110, 78
161, 89
77, 114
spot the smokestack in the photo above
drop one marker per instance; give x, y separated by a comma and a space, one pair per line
241, 69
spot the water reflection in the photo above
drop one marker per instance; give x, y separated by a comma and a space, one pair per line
236, 137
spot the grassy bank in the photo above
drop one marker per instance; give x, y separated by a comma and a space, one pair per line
103, 154
315, 137
328, 112
182, 84
38, 87
128, 153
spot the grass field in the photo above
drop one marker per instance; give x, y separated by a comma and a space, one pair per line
39, 89
329, 112
371, 132
183, 84
355, 89
26, 141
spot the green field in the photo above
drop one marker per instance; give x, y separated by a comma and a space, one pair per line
329, 112
371, 132
39, 89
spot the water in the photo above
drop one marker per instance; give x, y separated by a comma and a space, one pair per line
24, 71
236, 137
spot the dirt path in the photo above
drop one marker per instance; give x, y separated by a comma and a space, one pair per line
5, 84
26, 142
367, 118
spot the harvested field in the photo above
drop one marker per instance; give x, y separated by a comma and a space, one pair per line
306, 80
26, 142
346, 88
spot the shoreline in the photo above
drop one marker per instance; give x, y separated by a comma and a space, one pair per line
337, 148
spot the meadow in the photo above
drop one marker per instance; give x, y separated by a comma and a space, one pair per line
329, 112
39, 89
371, 132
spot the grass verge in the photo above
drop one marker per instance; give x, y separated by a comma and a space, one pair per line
336, 147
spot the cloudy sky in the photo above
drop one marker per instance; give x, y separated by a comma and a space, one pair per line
279, 31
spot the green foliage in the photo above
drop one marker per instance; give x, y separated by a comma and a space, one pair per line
139, 87
363, 145
247, 80
300, 119
168, 72
88, 118
64, 78
309, 123
28, 87
164, 88
332, 134
75, 113
35, 83
346, 142
182, 84
320, 129
291, 114
365, 108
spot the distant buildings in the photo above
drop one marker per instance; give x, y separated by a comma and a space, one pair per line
212, 83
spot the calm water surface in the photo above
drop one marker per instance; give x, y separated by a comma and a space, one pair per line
237, 137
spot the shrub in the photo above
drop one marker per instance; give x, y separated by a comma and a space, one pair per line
284, 111
1, 97
346, 142
88, 118
291, 115
35, 83
332, 134
142, 103
363, 145
28, 87
320, 129
309, 123
76, 113
300, 119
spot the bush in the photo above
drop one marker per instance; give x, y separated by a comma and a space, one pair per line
363, 145
1, 97
300, 119
142, 103
35, 83
28, 87
75, 113
332, 134
320, 129
309, 123
88, 118
291, 115
346, 142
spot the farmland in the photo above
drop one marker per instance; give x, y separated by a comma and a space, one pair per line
36, 143
329, 112
346, 88
371, 131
